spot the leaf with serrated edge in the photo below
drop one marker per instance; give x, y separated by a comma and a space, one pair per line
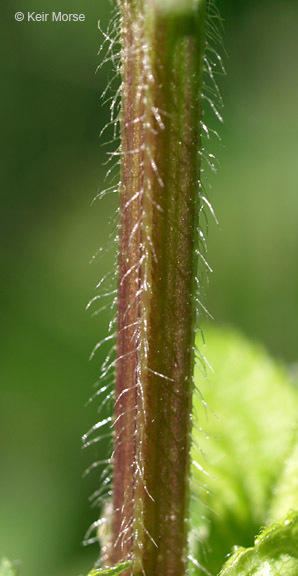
275, 553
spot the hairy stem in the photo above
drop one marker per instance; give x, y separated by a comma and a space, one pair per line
162, 50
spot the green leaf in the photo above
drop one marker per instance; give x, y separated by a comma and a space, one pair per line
7, 568
275, 553
285, 495
242, 447
114, 571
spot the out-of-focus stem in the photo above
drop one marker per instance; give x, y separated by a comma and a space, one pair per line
162, 49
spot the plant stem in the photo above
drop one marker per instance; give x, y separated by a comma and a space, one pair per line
162, 49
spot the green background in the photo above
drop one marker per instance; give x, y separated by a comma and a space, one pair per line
51, 169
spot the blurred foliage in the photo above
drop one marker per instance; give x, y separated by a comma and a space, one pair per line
285, 496
51, 117
242, 478
7, 568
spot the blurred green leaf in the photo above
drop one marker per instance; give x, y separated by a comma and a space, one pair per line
7, 568
275, 553
240, 446
285, 495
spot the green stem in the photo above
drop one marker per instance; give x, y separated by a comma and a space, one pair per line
162, 48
